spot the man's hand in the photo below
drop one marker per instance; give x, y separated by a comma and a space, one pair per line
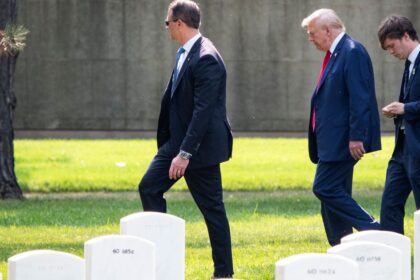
393, 109
1, 46
178, 167
356, 149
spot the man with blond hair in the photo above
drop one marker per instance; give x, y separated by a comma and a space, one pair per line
344, 123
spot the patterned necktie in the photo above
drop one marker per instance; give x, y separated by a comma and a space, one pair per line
176, 70
321, 73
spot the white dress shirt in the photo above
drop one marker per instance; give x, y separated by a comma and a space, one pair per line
335, 42
412, 57
187, 47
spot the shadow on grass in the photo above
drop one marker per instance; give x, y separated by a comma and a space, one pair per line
92, 209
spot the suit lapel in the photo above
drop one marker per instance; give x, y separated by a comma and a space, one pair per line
411, 77
193, 50
334, 57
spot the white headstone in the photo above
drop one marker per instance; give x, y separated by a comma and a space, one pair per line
115, 257
167, 232
417, 245
46, 265
376, 261
396, 240
314, 266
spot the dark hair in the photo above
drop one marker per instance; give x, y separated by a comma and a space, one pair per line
394, 27
187, 11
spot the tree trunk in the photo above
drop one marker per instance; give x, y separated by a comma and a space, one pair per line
9, 187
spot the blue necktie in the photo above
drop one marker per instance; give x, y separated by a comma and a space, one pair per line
176, 72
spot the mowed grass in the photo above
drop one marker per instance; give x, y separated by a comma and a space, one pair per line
118, 165
272, 211
265, 226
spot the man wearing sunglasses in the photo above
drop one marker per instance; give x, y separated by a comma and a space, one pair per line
194, 134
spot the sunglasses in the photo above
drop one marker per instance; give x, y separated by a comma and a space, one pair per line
168, 21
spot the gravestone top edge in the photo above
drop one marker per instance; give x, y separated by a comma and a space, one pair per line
32, 253
346, 245
150, 214
370, 233
103, 238
304, 256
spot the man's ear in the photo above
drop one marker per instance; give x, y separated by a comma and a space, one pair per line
328, 30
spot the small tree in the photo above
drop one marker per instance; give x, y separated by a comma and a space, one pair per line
11, 42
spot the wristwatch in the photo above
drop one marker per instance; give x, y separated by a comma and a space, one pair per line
184, 154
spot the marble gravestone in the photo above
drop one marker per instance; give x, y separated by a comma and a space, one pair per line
376, 261
389, 238
167, 232
46, 265
116, 257
315, 266
417, 245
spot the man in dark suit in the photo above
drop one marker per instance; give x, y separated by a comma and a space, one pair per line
194, 134
398, 36
344, 123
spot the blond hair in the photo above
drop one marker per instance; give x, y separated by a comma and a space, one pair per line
326, 18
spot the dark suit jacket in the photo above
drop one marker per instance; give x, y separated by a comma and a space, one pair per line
345, 105
194, 119
412, 112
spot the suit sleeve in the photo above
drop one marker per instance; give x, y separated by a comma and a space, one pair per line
208, 78
412, 111
359, 80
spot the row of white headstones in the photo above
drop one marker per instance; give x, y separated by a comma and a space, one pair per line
151, 246
366, 255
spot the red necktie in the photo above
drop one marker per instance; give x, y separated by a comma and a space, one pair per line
324, 65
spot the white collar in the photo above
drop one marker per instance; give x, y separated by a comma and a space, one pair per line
336, 41
190, 43
413, 55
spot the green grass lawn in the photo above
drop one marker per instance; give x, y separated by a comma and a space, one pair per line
272, 212
117, 165
266, 226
